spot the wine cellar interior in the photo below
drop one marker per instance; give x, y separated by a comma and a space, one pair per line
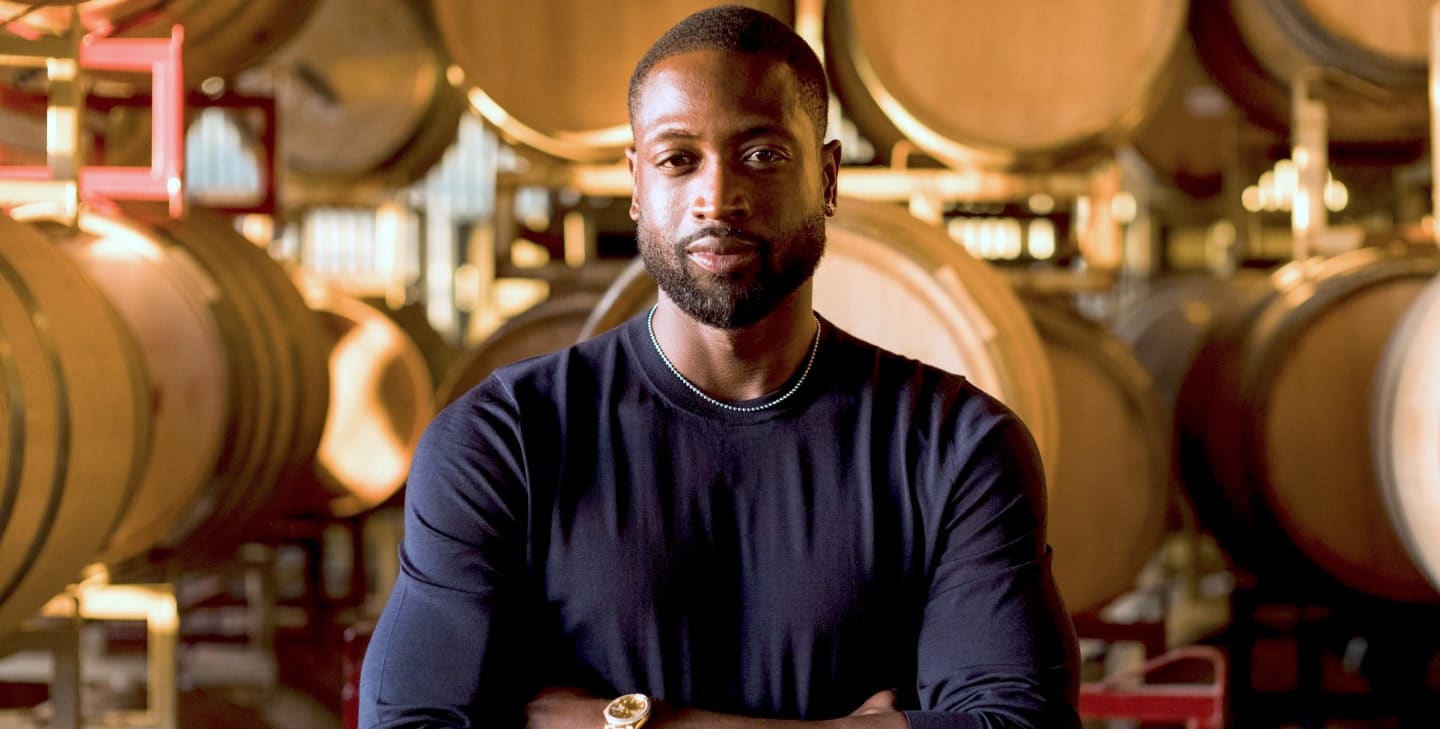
250, 248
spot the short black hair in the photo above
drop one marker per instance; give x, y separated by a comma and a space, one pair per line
742, 30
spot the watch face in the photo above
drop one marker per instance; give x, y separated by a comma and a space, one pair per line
627, 710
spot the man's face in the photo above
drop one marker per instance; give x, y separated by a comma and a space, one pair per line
731, 185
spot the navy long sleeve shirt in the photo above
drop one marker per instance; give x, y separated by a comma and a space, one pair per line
584, 519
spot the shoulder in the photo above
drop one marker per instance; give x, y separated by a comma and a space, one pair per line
929, 394
956, 431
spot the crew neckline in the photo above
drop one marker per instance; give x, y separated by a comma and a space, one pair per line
641, 352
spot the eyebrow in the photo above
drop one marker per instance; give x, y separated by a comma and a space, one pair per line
674, 133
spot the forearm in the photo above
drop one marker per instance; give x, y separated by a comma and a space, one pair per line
569, 708
696, 719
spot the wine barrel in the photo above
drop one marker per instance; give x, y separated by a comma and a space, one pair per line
412, 319
74, 421
550, 325
904, 285
1015, 85
1166, 325
280, 394
1406, 428
579, 52
1183, 144
363, 92
1254, 48
381, 399
162, 296
1110, 483
221, 36
1274, 422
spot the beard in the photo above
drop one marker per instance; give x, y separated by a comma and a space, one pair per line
736, 300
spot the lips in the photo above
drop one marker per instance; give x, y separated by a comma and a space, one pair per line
721, 255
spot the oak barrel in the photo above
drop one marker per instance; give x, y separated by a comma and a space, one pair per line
1110, 485
363, 93
1405, 431
1274, 422
904, 285
280, 389
1373, 57
552, 324
381, 399
163, 298
1166, 325
221, 36
74, 421
1024, 84
554, 75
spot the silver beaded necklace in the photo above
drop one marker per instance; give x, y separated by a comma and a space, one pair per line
814, 348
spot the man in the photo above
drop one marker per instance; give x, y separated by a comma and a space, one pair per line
728, 506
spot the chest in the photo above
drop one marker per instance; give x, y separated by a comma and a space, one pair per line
762, 528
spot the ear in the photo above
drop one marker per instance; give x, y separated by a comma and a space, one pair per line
634, 188
830, 174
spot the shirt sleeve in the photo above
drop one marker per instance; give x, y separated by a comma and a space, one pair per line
449, 649
996, 645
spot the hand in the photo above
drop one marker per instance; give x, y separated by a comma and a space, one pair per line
883, 702
564, 707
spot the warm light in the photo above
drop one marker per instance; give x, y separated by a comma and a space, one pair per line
1300, 218
1252, 199
467, 287
1041, 204
258, 229
1337, 196
1278, 189
390, 225
1286, 179
1041, 239
516, 295
528, 254
1124, 208
358, 446
1011, 239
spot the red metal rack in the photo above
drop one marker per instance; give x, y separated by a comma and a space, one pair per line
161, 59
1124, 695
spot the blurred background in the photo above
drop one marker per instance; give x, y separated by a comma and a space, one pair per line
1192, 244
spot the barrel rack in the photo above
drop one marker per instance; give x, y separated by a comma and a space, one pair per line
57, 632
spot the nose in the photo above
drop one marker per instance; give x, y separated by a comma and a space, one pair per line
719, 194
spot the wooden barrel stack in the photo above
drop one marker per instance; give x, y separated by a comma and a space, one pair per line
221, 36
1374, 55
550, 325
74, 427
583, 62
235, 388
162, 296
1274, 426
365, 97
968, 84
270, 348
1109, 480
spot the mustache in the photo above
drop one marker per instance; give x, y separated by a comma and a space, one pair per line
721, 231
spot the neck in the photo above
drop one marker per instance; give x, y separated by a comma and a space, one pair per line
738, 364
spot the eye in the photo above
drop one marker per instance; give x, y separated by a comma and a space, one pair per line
764, 156
674, 160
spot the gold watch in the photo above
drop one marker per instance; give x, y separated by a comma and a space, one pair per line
627, 712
